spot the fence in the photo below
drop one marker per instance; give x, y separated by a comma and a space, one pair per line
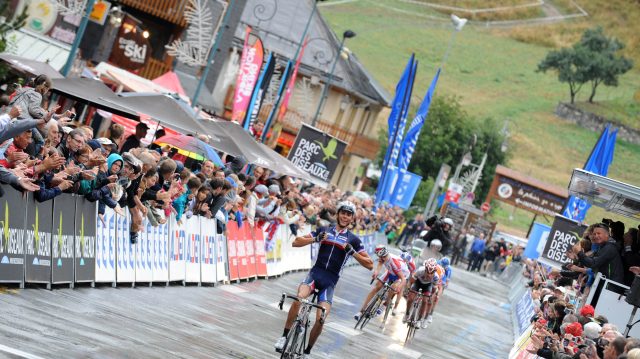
63, 241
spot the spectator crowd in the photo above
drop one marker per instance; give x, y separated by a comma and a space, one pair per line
48, 154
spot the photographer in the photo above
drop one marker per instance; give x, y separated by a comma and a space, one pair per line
440, 229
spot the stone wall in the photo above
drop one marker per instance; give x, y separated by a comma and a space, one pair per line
594, 122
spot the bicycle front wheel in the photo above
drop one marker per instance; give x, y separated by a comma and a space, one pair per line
291, 345
371, 310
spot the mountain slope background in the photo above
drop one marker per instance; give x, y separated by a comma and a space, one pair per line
491, 69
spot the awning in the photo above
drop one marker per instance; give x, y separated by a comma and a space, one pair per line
220, 140
93, 92
31, 67
614, 196
190, 84
162, 109
247, 145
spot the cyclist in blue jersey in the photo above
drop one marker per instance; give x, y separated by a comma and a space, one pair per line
337, 244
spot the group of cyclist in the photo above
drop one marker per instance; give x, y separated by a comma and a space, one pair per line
336, 245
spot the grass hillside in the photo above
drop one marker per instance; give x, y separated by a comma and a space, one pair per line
493, 72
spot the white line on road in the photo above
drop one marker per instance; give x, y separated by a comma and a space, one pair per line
342, 301
343, 329
232, 289
19, 353
402, 350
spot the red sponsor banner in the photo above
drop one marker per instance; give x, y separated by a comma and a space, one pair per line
241, 250
232, 253
261, 257
250, 64
250, 248
292, 84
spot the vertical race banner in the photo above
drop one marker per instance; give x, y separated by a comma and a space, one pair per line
13, 214
126, 260
38, 240
106, 237
209, 261
316, 152
250, 63
232, 252
261, 259
192, 254
85, 265
537, 240
221, 256
249, 246
564, 234
143, 271
406, 187
64, 208
161, 254
262, 86
177, 242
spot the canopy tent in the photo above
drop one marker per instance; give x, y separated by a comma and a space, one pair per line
163, 109
92, 92
220, 140
191, 147
231, 138
170, 81
614, 196
31, 67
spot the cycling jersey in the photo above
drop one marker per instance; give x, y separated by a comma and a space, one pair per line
423, 277
447, 275
331, 255
411, 264
440, 272
395, 265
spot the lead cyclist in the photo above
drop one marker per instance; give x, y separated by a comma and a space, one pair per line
337, 244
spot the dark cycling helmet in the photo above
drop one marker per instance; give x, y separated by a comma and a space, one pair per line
381, 250
444, 262
346, 206
430, 265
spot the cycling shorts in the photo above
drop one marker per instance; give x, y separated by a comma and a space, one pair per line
323, 283
426, 288
387, 277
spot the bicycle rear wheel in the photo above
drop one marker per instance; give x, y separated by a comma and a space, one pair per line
386, 313
371, 311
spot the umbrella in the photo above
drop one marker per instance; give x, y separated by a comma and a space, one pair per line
31, 67
191, 147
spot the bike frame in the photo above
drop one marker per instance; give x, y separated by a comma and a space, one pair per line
300, 325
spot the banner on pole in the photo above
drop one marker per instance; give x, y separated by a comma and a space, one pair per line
405, 189
250, 63
316, 152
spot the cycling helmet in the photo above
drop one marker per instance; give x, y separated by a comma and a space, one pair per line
448, 221
430, 265
381, 250
436, 243
347, 206
444, 262
406, 256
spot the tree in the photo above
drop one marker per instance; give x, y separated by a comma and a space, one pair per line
604, 66
591, 60
6, 27
445, 138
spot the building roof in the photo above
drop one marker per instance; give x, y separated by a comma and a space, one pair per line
280, 26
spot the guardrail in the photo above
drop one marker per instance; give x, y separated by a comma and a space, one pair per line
63, 241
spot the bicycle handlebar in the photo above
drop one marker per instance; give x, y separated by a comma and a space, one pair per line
303, 301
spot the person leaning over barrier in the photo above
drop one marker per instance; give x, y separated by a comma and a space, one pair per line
606, 260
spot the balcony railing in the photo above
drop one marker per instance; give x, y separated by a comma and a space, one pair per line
170, 10
154, 68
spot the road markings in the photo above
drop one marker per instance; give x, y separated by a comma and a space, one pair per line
343, 329
404, 351
342, 301
18, 353
232, 289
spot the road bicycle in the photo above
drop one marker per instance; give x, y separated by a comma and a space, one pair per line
297, 338
413, 319
373, 306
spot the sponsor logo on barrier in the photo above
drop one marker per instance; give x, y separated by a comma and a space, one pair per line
221, 247
209, 245
111, 222
85, 246
177, 250
193, 249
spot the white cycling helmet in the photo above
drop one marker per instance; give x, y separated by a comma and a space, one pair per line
347, 206
430, 265
381, 250
436, 243
448, 221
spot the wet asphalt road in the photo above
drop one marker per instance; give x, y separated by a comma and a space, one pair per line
242, 321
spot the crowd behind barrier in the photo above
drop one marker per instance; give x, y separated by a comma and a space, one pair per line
63, 241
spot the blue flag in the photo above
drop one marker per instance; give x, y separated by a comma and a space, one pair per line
403, 119
598, 163
405, 189
409, 143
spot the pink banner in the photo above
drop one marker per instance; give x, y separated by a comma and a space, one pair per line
248, 73
292, 83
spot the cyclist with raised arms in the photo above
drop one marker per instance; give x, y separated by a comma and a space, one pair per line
396, 273
337, 244
425, 278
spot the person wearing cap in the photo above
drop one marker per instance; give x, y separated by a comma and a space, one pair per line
133, 141
252, 203
606, 260
587, 311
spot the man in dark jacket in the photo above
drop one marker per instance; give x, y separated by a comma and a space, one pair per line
440, 229
606, 260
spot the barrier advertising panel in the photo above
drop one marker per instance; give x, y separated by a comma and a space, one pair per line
160, 271
249, 247
564, 234
126, 268
208, 263
232, 253
221, 255
143, 269
12, 217
241, 250
64, 208
260, 254
192, 267
85, 241
106, 237
274, 252
38, 241
177, 241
